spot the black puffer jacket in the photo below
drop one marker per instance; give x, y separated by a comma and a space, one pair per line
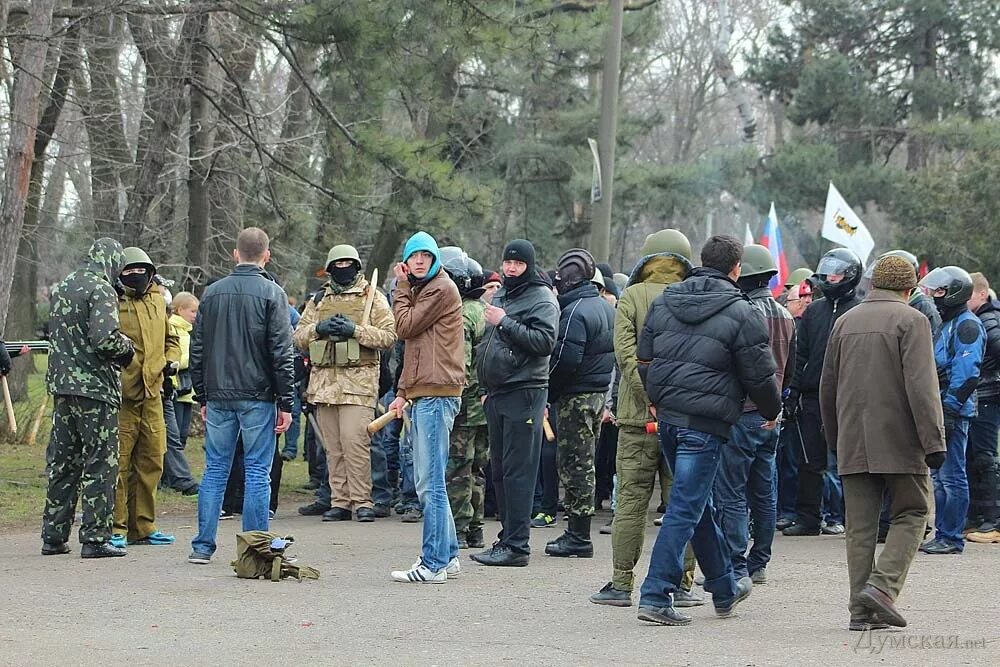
989, 380
515, 354
584, 358
241, 346
703, 349
813, 334
925, 305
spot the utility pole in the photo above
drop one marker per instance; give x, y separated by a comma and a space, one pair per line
600, 230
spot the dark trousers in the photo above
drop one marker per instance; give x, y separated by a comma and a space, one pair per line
233, 500
604, 462
515, 426
982, 466
176, 471
546, 498
789, 455
813, 464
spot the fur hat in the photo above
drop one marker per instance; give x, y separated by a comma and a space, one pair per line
894, 273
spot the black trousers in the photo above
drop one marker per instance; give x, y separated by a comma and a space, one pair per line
515, 425
232, 502
813, 464
604, 461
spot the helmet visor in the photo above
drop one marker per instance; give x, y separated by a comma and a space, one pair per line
935, 283
832, 269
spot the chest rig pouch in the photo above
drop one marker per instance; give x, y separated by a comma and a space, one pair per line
341, 351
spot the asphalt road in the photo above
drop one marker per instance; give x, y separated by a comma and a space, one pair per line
153, 608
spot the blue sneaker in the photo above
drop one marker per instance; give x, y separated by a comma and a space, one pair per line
118, 541
156, 539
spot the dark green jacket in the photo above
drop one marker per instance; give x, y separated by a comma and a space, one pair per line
83, 324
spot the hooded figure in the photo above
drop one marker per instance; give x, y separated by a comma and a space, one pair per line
87, 350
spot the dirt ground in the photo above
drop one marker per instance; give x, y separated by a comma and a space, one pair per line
153, 608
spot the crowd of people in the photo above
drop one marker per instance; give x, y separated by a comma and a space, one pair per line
814, 407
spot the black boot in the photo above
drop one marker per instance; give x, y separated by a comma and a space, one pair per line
475, 538
575, 541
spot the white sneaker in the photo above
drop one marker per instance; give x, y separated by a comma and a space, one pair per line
658, 521
452, 569
418, 574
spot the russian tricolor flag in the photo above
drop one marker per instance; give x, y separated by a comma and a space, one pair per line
771, 240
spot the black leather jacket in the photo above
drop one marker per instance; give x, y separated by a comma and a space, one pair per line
515, 353
989, 381
241, 346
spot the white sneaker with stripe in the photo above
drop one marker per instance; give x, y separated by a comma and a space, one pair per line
452, 569
419, 574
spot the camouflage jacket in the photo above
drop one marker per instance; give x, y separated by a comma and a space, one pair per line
347, 385
84, 329
473, 313
144, 320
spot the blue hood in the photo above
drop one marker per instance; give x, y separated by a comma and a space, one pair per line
424, 241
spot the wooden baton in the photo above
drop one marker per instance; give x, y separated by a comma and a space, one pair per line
11, 419
550, 435
383, 421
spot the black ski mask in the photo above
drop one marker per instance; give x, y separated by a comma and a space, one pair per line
137, 281
344, 275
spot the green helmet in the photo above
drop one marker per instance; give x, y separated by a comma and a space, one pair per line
757, 261
135, 255
797, 276
342, 251
667, 240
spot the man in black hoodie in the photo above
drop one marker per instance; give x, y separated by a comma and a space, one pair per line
703, 349
513, 368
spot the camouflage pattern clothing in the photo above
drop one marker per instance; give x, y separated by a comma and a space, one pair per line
579, 420
83, 377
355, 384
464, 477
82, 459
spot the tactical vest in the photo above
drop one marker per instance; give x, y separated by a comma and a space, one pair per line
337, 352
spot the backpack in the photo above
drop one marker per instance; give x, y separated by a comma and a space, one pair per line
262, 554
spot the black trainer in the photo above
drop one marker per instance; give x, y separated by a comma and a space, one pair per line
54, 548
366, 514
381, 511
799, 530
611, 596
475, 538
663, 616
337, 514
743, 589
314, 509
500, 555
102, 550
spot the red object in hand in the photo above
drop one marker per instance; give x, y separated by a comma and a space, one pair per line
652, 427
25, 350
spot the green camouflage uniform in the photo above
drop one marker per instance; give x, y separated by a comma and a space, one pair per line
469, 442
82, 456
579, 418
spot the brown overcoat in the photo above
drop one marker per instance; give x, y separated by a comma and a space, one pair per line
879, 392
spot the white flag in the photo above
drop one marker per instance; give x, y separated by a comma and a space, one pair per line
748, 237
842, 226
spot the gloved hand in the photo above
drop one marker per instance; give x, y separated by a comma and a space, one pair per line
124, 359
949, 425
791, 405
343, 326
934, 460
168, 389
326, 328
4, 359
171, 369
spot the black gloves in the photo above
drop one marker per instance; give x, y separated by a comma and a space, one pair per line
338, 326
791, 405
171, 369
124, 359
168, 388
949, 425
4, 359
935, 460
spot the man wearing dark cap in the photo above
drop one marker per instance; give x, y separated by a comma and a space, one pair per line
883, 418
513, 369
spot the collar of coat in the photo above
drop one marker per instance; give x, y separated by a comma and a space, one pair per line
885, 295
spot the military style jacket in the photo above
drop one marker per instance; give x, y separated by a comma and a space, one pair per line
144, 320
474, 314
354, 383
84, 328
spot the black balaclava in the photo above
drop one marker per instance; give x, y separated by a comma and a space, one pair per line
343, 276
948, 312
522, 251
137, 281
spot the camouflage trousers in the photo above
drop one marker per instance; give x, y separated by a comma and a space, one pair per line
81, 460
579, 421
464, 476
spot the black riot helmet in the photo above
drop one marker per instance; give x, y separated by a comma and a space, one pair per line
455, 263
846, 266
477, 278
950, 287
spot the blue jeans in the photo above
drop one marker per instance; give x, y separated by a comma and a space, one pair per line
182, 412
951, 488
431, 419
833, 492
226, 420
693, 457
789, 455
746, 479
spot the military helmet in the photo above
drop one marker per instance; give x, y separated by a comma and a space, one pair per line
621, 280
797, 276
341, 252
954, 280
598, 279
757, 261
667, 241
138, 256
843, 262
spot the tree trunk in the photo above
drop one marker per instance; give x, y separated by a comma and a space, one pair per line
20, 152
202, 136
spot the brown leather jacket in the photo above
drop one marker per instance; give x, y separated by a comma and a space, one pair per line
429, 321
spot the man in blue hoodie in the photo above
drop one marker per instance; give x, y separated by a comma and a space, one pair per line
703, 349
428, 311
